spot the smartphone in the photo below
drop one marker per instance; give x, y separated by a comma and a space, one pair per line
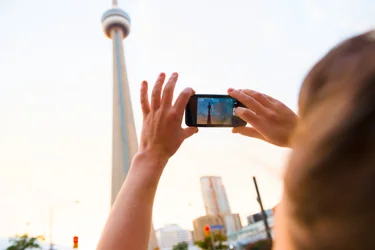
212, 111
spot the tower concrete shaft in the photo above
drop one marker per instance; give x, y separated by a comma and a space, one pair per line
124, 136
116, 25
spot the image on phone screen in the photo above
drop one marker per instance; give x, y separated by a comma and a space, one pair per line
212, 111
215, 111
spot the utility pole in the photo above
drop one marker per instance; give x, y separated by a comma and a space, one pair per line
264, 215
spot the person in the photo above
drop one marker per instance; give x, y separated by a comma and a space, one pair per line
129, 222
328, 198
222, 112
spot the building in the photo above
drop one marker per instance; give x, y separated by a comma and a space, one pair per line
116, 26
232, 223
258, 216
170, 235
192, 236
216, 202
251, 233
208, 220
214, 196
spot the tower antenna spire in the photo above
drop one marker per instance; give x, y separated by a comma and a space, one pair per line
114, 3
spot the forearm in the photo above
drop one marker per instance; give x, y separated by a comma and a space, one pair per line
128, 225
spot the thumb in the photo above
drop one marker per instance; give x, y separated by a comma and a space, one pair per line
190, 131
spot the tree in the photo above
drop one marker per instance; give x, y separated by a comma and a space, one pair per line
260, 245
181, 246
206, 244
24, 242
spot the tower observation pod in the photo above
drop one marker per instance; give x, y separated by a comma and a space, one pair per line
116, 26
116, 18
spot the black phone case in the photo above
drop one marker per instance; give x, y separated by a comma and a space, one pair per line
191, 113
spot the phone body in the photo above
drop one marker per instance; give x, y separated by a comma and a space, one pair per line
212, 111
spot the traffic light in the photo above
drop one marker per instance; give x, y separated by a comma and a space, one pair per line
75, 242
206, 231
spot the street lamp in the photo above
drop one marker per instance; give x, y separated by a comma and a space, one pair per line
51, 212
28, 227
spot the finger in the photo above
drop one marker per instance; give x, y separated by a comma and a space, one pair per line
168, 90
247, 131
280, 107
247, 100
247, 115
190, 131
261, 98
156, 92
182, 101
144, 98
273, 100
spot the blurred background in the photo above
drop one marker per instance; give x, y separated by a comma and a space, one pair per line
56, 102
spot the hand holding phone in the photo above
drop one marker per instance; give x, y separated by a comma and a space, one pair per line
270, 119
212, 111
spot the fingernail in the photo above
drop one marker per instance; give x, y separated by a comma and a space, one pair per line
161, 74
230, 90
174, 74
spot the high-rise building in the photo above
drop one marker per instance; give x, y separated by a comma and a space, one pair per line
116, 26
214, 196
170, 235
216, 202
232, 222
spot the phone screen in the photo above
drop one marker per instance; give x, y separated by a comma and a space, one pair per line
212, 111
218, 111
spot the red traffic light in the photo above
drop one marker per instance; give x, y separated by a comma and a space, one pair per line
206, 228
75, 239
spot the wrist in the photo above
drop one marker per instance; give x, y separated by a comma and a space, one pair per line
147, 167
150, 160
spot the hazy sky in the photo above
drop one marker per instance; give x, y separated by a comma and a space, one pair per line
56, 99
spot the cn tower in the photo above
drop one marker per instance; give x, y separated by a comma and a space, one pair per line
116, 26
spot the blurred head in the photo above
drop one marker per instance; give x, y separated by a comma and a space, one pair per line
329, 185
220, 107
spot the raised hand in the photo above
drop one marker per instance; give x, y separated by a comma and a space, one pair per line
270, 119
128, 225
162, 133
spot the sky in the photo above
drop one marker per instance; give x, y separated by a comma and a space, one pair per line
56, 99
